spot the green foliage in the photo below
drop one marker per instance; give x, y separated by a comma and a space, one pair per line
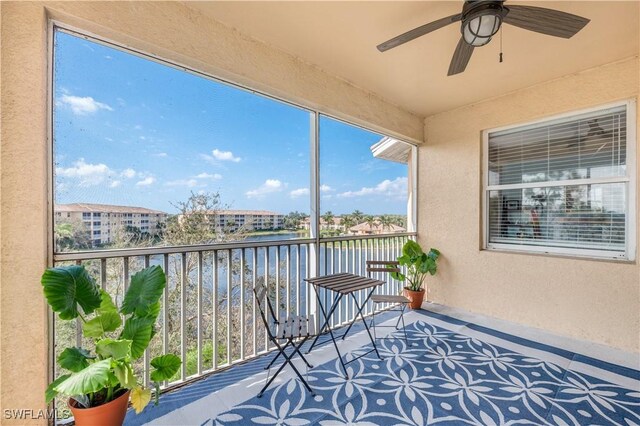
86, 381
71, 235
74, 359
139, 331
113, 348
96, 378
165, 366
144, 291
67, 288
101, 324
417, 263
51, 392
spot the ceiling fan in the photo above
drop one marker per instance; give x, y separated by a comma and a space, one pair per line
481, 19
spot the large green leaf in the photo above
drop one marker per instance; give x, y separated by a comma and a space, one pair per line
51, 393
106, 303
165, 367
144, 291
125, 376
114, 348
74, 359
67, 287
91, 379
98, 326
399, 276
412, 249
139, 331
434, 254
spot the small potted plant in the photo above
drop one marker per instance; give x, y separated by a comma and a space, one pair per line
100, 379
418, 264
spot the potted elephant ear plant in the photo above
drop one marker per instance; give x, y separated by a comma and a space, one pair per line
99, 379
418, 265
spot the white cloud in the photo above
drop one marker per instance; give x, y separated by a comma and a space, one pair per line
88, 174
146, 181
83, 105
305, 191
115, 184
161, 154
299, 192
205, 175
128, 173
268, 187
189, 183
396, 187
217, 155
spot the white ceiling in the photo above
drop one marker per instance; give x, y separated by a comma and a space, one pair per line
341, 38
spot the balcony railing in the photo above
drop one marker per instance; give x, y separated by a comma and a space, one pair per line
209, 315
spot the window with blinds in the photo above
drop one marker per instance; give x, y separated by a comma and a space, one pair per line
563, 185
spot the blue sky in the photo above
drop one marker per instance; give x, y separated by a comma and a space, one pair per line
130, 131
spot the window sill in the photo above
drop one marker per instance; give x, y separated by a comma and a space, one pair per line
560, 255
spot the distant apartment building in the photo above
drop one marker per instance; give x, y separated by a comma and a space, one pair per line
103, 221
375, 228
248, 220
334, 225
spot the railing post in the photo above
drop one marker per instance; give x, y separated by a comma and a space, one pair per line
314, 222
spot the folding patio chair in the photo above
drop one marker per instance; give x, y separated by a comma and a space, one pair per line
295, 330
386, 266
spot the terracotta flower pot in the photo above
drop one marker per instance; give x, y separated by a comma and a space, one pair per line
111, 414
415, 298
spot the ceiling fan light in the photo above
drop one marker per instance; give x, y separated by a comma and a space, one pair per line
478, 30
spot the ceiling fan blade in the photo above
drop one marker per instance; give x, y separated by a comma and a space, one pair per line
545, 21
460, 57
417, 32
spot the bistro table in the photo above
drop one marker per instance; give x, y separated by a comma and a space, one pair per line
343, 284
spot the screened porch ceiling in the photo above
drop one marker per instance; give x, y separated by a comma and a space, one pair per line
341, 38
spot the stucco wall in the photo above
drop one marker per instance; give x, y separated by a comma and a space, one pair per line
593, 300
23, 325
169, 30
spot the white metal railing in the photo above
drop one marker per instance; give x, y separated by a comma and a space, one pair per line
208, 314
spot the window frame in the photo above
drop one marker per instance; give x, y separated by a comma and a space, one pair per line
314, 120
629, 179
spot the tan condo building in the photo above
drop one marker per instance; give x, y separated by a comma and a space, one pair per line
103, 220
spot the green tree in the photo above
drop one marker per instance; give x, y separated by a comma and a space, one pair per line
386, 221
328, 218
71, 235
293, 220
347, 222
371, 221
358, 216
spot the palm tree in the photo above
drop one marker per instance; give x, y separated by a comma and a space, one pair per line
371, 221
386, 221
328, 218
358, 216
347, 222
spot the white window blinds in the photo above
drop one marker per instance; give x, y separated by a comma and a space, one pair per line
560, 186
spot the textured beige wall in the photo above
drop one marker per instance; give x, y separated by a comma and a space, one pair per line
593, 300
23, 324
169, 30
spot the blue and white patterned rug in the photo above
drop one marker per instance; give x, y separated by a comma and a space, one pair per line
441, 377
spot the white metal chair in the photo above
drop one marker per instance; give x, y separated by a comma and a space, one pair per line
295, 330
387, 266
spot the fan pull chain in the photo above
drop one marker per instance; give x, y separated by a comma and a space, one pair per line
501, 44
